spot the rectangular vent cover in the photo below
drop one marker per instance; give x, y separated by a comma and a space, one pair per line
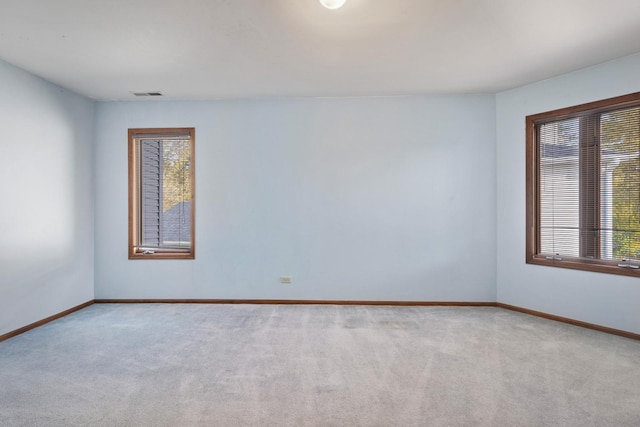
147, 93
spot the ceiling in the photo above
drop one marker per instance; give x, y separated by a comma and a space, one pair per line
213, 49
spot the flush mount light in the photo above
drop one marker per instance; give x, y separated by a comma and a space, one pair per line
332, 4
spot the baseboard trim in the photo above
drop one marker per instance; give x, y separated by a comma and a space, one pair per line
541, 314
570, 321
296, 302
44, 321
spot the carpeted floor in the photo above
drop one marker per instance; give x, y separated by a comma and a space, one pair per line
283, 365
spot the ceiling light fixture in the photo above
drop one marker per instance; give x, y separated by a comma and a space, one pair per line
332, 4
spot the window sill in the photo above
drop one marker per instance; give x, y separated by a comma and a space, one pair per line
585, 265
162, 255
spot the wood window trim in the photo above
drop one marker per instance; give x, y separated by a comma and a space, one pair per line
134, 250
532, 241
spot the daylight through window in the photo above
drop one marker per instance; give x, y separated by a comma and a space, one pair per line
161, 202
583, 187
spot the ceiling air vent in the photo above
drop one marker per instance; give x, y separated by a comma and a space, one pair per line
147, 93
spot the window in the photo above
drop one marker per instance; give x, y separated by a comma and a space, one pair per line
583, 187
161, 193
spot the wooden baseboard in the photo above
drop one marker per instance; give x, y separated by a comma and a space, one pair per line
44, 321
605, 329
294, 302
574, 322
548, 316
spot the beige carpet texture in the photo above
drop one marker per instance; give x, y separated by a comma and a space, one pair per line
315, 365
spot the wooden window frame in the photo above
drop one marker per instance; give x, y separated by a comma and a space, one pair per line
134, 197
533, 255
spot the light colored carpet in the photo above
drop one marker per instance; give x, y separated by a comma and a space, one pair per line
280, 365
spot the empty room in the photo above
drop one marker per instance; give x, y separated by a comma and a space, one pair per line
320, 213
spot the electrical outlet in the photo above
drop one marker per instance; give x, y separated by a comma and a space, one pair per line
286, 279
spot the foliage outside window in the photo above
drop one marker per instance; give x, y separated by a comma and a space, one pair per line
161, 189
583, 187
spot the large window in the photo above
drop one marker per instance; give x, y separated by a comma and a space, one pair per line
583, 187
161, 193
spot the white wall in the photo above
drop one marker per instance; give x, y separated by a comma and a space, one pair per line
356, 198
46, 218
598, 298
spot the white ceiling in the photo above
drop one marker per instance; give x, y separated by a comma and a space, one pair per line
210, 49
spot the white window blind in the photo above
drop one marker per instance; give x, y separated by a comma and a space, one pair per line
165, 192
151, 192
589, 186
